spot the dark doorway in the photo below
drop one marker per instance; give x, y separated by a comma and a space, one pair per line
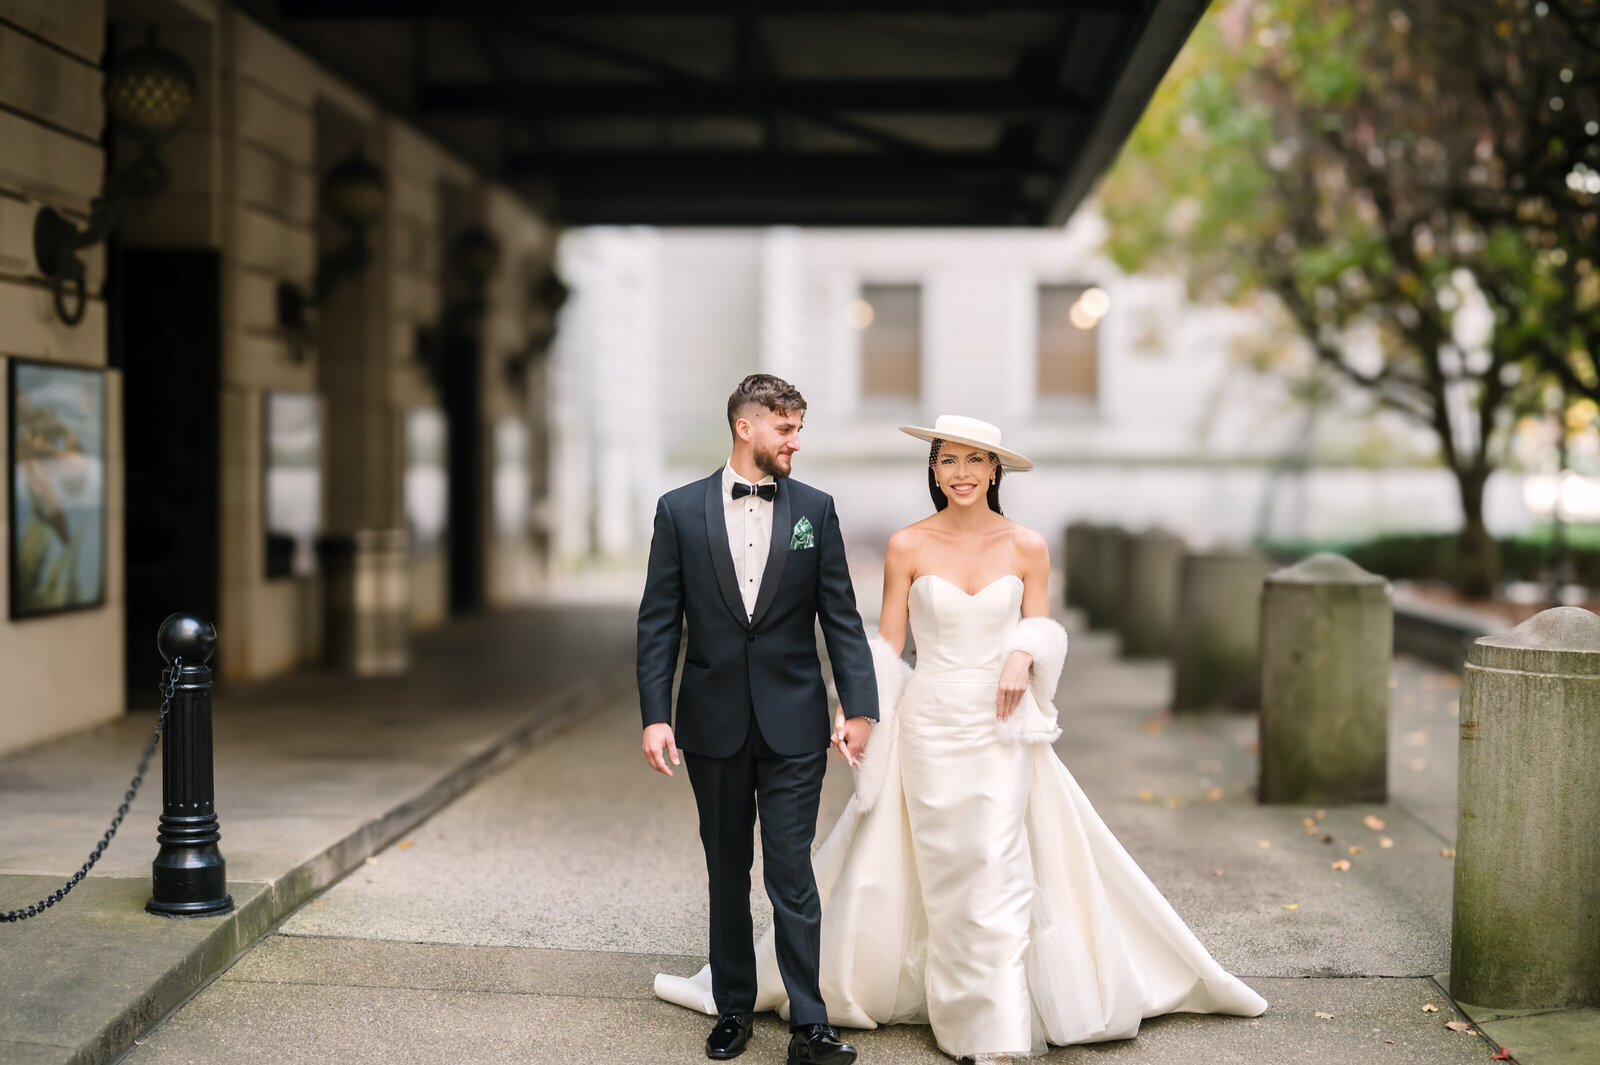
166, 335
458, 386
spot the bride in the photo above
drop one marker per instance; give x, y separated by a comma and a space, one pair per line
969, 884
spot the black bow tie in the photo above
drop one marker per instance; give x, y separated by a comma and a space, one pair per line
765, 491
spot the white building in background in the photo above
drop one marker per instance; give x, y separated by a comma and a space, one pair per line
1130, 398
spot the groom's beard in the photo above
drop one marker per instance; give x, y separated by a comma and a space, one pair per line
767, 463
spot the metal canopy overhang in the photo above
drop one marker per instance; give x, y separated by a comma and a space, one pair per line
801, 112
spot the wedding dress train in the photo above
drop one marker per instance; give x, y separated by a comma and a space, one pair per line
969, 884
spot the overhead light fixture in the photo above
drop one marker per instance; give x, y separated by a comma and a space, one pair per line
355, 193
149, 94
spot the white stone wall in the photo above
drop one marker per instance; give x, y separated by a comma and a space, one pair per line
1181, 433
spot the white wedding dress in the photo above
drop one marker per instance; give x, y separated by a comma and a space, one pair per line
981, 893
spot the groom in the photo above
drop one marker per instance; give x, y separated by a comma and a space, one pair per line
752, 560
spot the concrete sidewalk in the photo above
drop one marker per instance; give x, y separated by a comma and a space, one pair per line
315, 772
525, 923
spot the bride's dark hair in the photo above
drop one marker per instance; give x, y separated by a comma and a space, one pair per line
940, 500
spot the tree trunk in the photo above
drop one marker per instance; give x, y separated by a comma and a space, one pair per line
1478, 569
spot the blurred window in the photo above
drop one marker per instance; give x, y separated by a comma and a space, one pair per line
1069, 345
891, 341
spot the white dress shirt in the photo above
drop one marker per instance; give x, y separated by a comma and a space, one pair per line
749, 521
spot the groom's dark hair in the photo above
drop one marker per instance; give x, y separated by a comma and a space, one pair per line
765, 390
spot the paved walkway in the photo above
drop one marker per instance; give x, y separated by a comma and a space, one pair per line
525, 922
315, 772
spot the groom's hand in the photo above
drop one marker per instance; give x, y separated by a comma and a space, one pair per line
850, 736
658, 739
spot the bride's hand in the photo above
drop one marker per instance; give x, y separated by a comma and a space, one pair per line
1013, 682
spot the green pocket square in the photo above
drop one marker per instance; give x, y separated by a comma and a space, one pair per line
803, 535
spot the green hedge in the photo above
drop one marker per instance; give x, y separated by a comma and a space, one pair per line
1432, 556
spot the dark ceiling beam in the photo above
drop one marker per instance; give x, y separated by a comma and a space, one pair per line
679, 211
681, 99
833, 170
401, 9
671, 74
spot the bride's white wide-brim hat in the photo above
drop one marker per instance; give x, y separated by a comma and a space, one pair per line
958, 430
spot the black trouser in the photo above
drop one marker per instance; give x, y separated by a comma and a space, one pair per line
786, 790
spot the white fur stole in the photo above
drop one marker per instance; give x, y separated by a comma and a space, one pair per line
893, 673
1034, 719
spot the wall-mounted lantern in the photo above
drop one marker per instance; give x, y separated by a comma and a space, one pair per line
355, 193
474, 256
546, 296
149, 93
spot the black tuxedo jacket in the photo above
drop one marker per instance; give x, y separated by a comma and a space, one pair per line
767, 666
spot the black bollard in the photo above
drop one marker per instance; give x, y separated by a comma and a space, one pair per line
189, 873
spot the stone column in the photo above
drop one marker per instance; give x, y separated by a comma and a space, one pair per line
1327, 646
1107, 548
1217, 643
1150, 568
1525, 930
1076, 562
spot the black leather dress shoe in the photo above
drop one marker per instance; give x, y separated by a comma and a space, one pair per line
728, 1038
818, 1044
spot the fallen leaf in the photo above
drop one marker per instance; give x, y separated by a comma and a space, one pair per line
1355, 850
1388, 1040
1342, 864
319, 904
1216, 872
1430, 1008
1291, 905
1309, 822
1447, 852
1264, 844
1213, 794
1312, 830
1327, 839
1145, 794
1504, 1055
1373, 822
1458, 1026
405, 844
1385, 842
372, 859
1154, 726
1321, 813
1325, 1016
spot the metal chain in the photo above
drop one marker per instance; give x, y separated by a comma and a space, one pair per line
122, 811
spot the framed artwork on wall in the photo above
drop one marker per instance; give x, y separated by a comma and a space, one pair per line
511, 478
56, 487
427, 478
292, 476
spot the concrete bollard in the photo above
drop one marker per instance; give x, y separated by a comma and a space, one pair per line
1150, 569
1327, 647
1217, 642
1076, 562
1107, 547
1525, 928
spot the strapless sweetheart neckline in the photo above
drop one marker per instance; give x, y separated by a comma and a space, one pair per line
963, 591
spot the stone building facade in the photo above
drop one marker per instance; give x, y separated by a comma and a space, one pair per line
190, 324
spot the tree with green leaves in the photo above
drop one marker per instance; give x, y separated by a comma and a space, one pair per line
1374, 167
